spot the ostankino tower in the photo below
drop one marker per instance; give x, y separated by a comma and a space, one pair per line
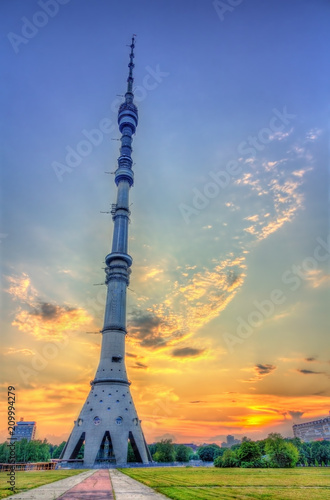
108, 419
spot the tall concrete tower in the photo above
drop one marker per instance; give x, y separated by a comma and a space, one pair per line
108, 419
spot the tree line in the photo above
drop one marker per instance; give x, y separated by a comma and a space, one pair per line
27, 451
274, 451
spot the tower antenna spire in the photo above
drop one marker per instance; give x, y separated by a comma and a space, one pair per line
130, 79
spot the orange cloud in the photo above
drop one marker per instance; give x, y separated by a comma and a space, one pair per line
51, 322
42, 319
13, 350
20, 288
188, 306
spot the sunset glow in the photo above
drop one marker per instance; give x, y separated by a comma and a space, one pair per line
228, 303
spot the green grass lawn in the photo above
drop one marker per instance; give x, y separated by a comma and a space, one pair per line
33, 479
243, 484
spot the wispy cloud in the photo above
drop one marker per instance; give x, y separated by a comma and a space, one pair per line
152, 329
295, 414
313, 134
309, 372
273, 195
140, 366
187, 352
317, 278
152, 273
281, 135
264, 369
130, 355
260, 371
21, 289
14, 350
51, 325
42, 319
194, 300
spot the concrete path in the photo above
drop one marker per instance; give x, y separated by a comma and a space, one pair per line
126, 488
93, 484
96, 486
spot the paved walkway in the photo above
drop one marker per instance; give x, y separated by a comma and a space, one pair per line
126, 488
93, 484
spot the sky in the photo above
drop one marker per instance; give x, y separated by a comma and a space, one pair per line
228, 302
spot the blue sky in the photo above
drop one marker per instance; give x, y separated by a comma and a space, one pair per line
208, 85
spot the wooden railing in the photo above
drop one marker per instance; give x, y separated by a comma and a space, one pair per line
28, 466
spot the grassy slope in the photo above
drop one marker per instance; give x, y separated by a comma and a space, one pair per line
241, 484
33, 479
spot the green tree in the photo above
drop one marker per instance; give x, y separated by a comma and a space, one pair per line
228, 459
280, 452
305, 453
208, 453
316, 451
219, 452
32, 451
249, 454
44, 453
81, 452
58, 450
325, 452
130, 453
37, 451
22, 450
261, 445
182, 453
4, 453
164, 451
52, 448
152, 448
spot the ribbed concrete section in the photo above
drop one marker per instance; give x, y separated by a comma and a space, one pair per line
126, 488
54, 490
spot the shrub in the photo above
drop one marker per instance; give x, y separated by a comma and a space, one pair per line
228, 459
281, 453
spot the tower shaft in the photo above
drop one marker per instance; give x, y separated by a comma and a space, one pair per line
108, 419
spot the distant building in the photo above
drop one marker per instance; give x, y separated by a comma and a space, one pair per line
230, 441
24, 430
313, 431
